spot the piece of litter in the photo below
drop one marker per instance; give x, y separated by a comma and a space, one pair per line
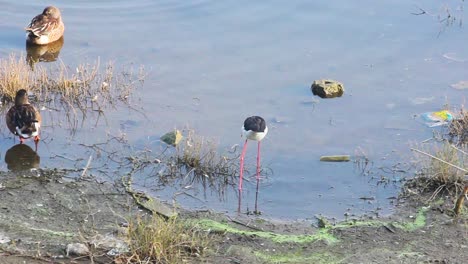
438, 118
460, 85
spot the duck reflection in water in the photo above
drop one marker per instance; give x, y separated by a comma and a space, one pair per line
21, 157
45, 53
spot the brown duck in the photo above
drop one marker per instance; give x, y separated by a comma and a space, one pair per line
46, 27
23, 119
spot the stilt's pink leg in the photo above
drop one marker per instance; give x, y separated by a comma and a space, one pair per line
241, 174
21, 140
258, 176
239, 202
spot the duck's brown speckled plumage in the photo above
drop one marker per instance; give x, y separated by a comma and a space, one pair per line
46, 27
23, 119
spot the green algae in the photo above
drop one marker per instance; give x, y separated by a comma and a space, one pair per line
278, 238
323, 234
419, 221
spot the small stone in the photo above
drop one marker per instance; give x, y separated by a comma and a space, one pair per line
323, 222
4, 239
77, 249
243, 254
172, 138
327, 88
114, 245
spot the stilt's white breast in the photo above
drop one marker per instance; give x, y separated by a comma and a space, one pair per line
252, 135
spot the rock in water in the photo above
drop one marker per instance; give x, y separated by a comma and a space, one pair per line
327, 88
172, 138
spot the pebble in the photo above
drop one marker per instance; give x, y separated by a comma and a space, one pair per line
77, 249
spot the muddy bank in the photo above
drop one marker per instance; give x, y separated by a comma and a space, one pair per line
43, 211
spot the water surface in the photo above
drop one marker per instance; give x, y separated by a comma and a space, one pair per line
210, 64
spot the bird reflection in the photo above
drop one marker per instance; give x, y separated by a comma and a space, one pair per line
45, 53
21, 157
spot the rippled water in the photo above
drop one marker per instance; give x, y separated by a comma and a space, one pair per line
210, 64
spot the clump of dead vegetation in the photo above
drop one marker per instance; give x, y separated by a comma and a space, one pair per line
442, 169
85, 86
443, 160
196, 159
153, 239
200, 156
458, 129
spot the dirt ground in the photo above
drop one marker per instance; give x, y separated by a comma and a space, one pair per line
41, 212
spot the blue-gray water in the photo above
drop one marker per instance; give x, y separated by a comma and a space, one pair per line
210, 64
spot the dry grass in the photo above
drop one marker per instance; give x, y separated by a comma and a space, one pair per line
458, 129
156, 240
195, 164
443, 168
444, 162
197, 160
68, 95
81, 87
202, 156
15, 74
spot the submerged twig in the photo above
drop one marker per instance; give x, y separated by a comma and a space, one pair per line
85, 169
422, 12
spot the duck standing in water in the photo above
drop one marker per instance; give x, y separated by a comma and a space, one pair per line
23, 119
46, 27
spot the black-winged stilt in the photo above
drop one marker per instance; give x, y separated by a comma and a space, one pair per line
254, 129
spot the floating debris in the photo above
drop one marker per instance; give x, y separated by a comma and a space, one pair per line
366, 198
439, 118
336, 158
453, 57
461, 85
422, 100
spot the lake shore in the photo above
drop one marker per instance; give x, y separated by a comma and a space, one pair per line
44, 211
